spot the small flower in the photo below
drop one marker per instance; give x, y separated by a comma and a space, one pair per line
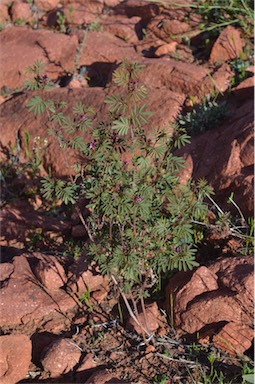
82, 118
138, 199
43, 79
92, 145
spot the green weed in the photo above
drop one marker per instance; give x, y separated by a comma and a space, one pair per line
72, 249
217, 14
85, 298
61, 21
140, 222
208, 115
94, 26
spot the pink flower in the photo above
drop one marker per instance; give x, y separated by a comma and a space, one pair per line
92, 145
82, 118
43, 79
138, 199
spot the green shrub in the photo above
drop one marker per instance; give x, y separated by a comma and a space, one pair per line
141, 217
208, 115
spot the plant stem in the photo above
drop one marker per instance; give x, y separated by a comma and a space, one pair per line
131, 313
84, 224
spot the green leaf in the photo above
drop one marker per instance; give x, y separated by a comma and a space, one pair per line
36, 105
121, 78
249, 378
121, 126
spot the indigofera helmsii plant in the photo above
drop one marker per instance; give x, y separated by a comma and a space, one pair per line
141, 218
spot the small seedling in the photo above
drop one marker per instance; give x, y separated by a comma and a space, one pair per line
85, 298
208, 115
61, 21
94, 26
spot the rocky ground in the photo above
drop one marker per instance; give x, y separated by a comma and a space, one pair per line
61, 321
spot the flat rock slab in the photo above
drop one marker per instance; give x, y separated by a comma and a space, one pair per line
15, 358
21, 47
221, 293
27, 304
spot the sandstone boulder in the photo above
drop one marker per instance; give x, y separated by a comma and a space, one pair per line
153, 319
6, 269
83, 12
21, 11
226, 338
15, 358
224, 156
229, 45
60, 357
19, 220
103, 377
217, 300
27, 304
178, 77
49, 272
21, 47
46, 5
86, 278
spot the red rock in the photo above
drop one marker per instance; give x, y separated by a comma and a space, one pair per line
178, 77
111, 3
245, 90
105, 49
33, 306
38, 127
234, 338
87, 362
250, 69
165, 49
50, 272
153, 317
21, 47
15, 358
103, 377
139, 8
86, 278
170, 29
80, 82
21, 11
171, 25
22, 219
163, 112
221, 78
60, 357
176, 27
222, 158
238, 275
186, 173
214, 307
6, 269
83, 12
46, 5
122, 27
4, 15
201, 281
40, 342
229, 45
100, 296
224, 294
247, 151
